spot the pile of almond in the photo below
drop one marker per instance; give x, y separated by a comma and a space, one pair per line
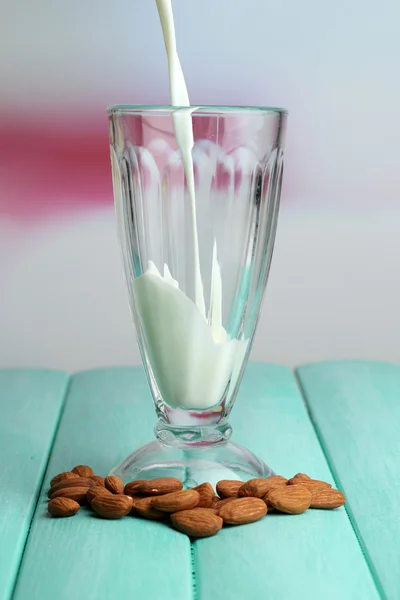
197, 512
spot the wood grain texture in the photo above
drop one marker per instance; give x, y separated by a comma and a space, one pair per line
30, 404
310, 556
355, 407
108, 413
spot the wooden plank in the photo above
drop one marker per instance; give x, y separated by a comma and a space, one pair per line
314, 555
108, 413
356, 410
30, 404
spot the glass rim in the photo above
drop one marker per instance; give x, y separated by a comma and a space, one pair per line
153, 108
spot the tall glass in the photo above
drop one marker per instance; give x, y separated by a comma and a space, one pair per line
197, 231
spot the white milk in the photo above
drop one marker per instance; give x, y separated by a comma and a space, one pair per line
183, 130
191, 367
192, 358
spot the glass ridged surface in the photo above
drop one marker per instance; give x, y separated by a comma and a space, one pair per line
196, 272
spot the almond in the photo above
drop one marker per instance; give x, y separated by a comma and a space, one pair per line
83, 471
196, 522
301, 476
257, 488
228, 488
77, 493
143, 507
206, 492
63, 507
291, 499
160, 486
327, 498
310, 484
94, 491
114, 484
153, 487
62, 477
112, 506
313, 485
97, 479
65, 483
131, 488
213, 511
175, 501
220, 503
243, 510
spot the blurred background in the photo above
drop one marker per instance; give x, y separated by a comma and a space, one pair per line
334, 289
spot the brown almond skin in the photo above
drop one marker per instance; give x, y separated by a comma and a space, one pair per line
74, 493
83, 471
112, 506
66, 483
313, 485
220, 503
228, 488
290, 499
131, 488
94, 491
63, 507
206, 492
143, 507
213, 511
268, 503
301, 476
327, 498
62, 477
242, 511
182, 500
114, 484
196, 522
97, 479
257, 488
153, 487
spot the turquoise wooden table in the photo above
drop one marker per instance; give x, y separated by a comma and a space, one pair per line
336, 421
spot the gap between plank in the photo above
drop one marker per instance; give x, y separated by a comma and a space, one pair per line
41, 483
338, 484
192, 556
193, 567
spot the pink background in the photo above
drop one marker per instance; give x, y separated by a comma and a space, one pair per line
334, 288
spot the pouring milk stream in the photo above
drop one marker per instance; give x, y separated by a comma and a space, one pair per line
192, 360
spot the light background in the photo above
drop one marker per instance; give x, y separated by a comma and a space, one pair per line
334, 289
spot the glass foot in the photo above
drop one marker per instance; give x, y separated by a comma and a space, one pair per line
192, 464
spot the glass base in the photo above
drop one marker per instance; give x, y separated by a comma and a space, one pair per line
192, 463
